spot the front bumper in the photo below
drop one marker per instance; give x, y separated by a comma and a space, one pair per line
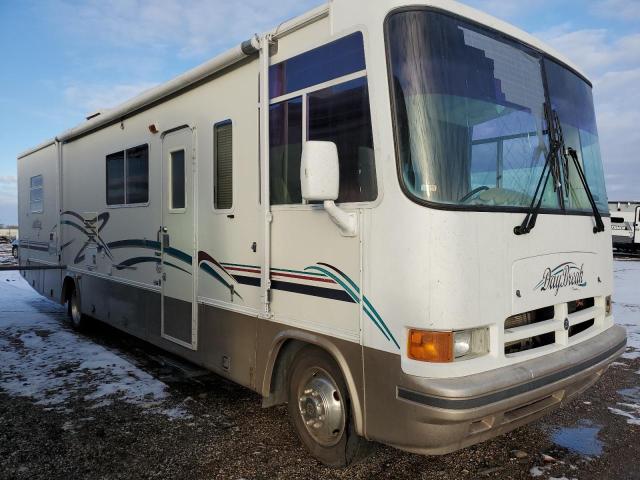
438, 416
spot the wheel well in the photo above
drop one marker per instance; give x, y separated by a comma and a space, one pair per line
284, 352
281, 368
68, 286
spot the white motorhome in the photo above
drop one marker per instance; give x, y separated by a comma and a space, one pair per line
625, 225
391, 217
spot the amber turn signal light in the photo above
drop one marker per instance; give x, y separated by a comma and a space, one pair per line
436, 347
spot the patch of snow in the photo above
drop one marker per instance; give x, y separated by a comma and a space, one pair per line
41, 358
630, 407
619, 364
537, 471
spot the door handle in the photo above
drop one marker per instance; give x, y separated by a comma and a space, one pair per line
163, 237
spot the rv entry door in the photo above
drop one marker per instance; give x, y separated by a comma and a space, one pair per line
176, 237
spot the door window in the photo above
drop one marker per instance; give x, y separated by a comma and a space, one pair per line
178, 198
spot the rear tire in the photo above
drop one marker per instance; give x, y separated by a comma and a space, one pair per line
74, 310
320, 409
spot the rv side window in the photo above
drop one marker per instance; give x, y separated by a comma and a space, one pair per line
340, 114
138, 175
335, 102
285, 152
115, 179
128, 176
36, 198
177, 180
223, 165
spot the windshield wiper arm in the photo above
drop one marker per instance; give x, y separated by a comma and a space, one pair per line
573, 154
568, 152
550, 167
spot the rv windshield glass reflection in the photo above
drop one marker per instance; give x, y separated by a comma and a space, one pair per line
469, 114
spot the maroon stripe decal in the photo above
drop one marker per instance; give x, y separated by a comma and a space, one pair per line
303, 277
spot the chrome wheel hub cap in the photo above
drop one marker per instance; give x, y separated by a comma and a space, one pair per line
75, 310
321, 407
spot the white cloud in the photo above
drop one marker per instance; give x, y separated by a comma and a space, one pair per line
594, 50
94, 97
193, 28
8, 180
626, 10
8, 199
613, 64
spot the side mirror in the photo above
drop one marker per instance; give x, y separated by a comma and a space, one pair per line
320, 172
320, 182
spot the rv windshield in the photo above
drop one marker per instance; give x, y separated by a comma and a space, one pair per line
469, 117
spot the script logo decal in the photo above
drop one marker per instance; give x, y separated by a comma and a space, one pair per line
568, 274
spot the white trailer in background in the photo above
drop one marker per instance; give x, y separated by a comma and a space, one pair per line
391, 217
625, 225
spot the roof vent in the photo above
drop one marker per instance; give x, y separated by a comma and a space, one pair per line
93, 115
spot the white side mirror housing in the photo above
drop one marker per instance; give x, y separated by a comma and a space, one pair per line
320, 182
320, 172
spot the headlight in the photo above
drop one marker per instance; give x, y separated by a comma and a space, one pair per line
607, 306
461, 343
444, 347
471, 343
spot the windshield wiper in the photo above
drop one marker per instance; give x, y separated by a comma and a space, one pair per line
568, 152
571, 152
551, 167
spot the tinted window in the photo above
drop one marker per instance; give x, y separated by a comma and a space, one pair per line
572, 99
285, 137
115, 179
177, 179
223, 166
128, 176
36, 199
340, 114
330, 61
138, 174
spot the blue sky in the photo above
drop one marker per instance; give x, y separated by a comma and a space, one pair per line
63, 59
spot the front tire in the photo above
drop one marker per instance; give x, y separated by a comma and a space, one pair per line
74, 310
320, 409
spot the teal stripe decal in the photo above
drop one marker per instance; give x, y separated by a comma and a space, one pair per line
210, 271
370, 311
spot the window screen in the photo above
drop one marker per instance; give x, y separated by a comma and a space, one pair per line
223, 165
177, 180
115, 179
36, 198
285, 138
128, 176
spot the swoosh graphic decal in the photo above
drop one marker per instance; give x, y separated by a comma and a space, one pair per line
354, 292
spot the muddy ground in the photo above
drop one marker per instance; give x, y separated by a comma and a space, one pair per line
103, 405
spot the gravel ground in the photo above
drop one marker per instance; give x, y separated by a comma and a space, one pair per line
104, 405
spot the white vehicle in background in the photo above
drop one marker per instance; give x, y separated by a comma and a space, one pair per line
390, 216
625, 225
